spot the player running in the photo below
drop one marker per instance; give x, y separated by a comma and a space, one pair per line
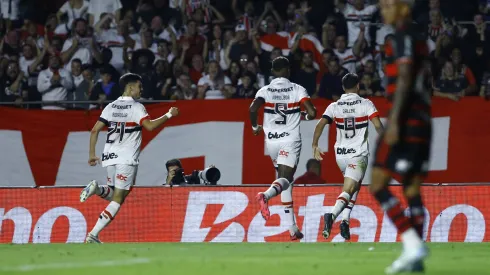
404, 148
351, 114
282, 100
124, 118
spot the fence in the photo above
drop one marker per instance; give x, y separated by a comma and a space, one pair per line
230, 214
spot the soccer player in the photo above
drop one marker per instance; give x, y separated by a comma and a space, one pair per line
124, 118
403, 150
282, 102
351, 114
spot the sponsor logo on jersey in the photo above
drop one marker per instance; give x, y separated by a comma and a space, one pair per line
352, 166
283, 90
349, 103
283, 153
119, 114
109, 156
121, 107
345, 151
121, 177
277, 135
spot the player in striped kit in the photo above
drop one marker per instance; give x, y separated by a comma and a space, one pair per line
125, 119
282, 100
351, 114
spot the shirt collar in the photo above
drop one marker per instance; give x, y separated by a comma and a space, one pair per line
280, 79
349, 95
128, 98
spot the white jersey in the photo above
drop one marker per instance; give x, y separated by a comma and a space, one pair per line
351, 114
123, 117
282, 112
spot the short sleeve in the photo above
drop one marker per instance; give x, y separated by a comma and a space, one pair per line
66, 45
65, 7
302, 94
140, 114
261, 94
328, 114
104, 117
227, 81
202, 81
372, 112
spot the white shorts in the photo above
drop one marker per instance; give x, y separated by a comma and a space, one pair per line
353, 168
284, 153
121, 176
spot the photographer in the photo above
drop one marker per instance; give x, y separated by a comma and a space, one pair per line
175, 175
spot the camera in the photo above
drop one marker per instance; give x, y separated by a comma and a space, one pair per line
208, 176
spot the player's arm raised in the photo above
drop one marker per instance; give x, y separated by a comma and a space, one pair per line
94, 135
151, 125
254, 108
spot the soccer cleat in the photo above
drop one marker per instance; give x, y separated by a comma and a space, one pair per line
411, 260
264, 206
92, 239
327, 228
295, 234
344, 230
89, 190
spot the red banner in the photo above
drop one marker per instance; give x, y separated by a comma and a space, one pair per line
51, 147
230, 214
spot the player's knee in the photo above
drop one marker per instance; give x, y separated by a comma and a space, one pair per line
119, 195
350, 186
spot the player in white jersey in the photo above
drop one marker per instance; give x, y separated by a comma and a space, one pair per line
350, 114
125, 119
282, 102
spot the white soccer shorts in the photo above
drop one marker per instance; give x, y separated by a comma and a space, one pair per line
121, 176
353, 168
284, 153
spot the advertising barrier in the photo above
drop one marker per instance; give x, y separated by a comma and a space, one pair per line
51, 147
230, 214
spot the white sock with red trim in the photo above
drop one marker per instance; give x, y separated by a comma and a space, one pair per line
277, 187
348, 208
105, 192
340, 204
287, 202
105, 217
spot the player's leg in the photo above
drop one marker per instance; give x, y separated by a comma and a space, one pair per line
353, 173
125, 175
412, 194
286, 172
104, 191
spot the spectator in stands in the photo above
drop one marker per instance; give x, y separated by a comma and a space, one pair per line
214, 85
74, 9
247, 87
331, 83
142, 64
478, 32
329, 33
196, 71
306, 75
369, 87
82, 84
98, 7
30, 62
450, 85
76, 72
259, 78
240, 45
357, 15
14, 86
80, 45
464, 71
216, 50
235, 73
54, 84
114, 39
185, 89
192, 43
313, 173
436, 26
346, 56
106, 89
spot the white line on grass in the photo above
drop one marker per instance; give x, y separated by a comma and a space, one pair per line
25, 268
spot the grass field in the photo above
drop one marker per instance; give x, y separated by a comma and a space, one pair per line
234, 259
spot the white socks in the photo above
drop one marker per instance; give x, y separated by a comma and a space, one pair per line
340, 204
276, 188
105, 217
105, 192
287, 202
411, 239
348, 208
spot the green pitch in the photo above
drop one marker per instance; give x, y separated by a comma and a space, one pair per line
233, 259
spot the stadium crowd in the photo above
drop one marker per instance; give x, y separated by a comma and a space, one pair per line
218, 49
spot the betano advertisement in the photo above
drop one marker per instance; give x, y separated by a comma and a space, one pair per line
230, 214
51, 147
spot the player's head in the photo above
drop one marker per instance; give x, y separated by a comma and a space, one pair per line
350, 83
131, 85
280, 67
315, 166
394, 11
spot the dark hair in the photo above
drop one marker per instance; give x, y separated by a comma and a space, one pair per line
280, 63
173, 162
350, 81
77, 60
128, 79
312, 162
330, 51
335, 59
